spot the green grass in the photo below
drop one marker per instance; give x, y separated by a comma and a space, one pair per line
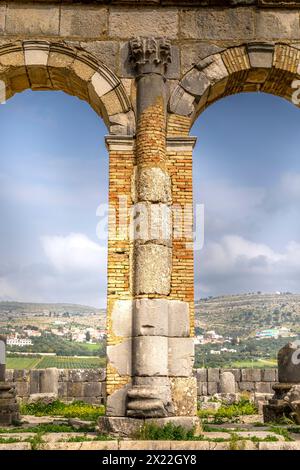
167, 432
281, 432
43, 428
260, 363
90, 347
9, 440
229, 412
61, 362
76, 409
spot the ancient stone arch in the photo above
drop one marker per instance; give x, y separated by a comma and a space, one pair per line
46, 65
252, 67
148, 68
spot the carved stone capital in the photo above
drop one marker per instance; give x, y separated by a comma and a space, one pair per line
150, 54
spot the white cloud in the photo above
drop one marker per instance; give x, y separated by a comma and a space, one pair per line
74, 252
235, 264
74, 271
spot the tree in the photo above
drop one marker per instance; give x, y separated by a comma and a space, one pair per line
88, 336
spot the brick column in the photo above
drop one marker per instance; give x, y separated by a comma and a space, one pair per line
119, 292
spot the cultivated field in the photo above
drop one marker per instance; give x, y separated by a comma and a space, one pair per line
61, 362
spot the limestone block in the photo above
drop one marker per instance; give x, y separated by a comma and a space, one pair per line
203, 388
184, 395
16, 446
84, 21
122, 123
192, 53
214, 68
213, 375
74, 389
93, 375
36, 56
216, 24
263, 387
127, 23
247, 386
276, 24
195, 82
181, 356
154, 185
260, 55
227, 382
268, 375
151, 356
153, 264
34, 381
201, 375
181, 102
49, 380
99, 84
22, 389
116, 402
212, 388
119, 356
92, 389
43, 398
121, 318
179, 318
21, 375
75, 375
112, 102
103, 51
251, 375
235, 372
150, 317
62, 390
151, 222
32, 19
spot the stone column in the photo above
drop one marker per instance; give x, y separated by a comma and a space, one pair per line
9, 408
150, 347
162, 346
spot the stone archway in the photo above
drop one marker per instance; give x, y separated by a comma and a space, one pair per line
252, 67
43, 65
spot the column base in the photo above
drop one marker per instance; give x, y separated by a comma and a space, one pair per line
119, 426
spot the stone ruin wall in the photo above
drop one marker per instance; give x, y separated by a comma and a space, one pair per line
90, 385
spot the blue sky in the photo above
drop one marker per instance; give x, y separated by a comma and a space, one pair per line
54, 175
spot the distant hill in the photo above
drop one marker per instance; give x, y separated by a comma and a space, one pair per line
241, 315
19, 309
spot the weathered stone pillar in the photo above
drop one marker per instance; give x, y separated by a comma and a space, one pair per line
162, 347
9, 408
150, 344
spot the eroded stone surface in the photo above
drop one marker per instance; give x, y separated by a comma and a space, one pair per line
151, 356
181, 356
153, 269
